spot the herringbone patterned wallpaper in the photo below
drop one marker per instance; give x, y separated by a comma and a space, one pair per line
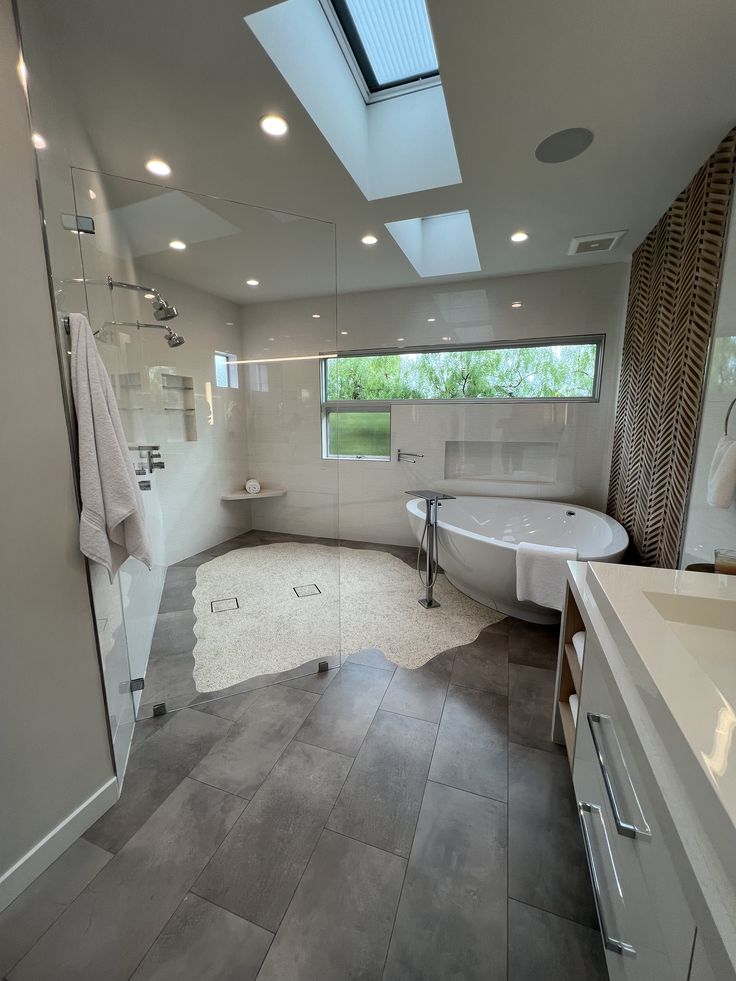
672, 297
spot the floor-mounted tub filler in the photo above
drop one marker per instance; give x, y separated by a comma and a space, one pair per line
478, 536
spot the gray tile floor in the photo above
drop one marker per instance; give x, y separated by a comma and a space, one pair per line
373, 823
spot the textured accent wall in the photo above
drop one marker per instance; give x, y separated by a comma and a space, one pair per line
671, 307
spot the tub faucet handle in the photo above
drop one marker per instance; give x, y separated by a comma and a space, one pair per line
403, 456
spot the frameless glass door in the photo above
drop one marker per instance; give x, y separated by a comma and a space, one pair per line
223, 390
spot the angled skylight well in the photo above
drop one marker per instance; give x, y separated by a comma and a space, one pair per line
387, 43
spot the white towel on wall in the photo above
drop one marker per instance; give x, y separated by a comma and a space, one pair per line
541, 573
112, 525
722, 475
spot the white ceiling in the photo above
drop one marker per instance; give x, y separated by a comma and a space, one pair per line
188, 81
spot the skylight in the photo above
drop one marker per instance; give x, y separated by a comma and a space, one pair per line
391, 40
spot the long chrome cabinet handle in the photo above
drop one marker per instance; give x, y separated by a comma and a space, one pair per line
611, 943
639, 828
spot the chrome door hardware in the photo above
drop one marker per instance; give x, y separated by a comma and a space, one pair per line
637, 827
402, 456
152, 457
610, 942
144, 484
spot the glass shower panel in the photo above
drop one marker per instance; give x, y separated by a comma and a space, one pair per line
219, 385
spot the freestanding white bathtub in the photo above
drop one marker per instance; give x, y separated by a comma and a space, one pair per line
478, 536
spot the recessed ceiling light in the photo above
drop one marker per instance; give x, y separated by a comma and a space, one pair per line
272, 338
369, 240
178, 245
316, 316
149, 296
516, 304
431, 320
274, 125
519, 237
38, 141
229, 323
158, 167
446, 338
399, 338
252, 282
344, 333
92, 195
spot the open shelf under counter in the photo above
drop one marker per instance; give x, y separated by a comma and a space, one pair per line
245, 496
569, 669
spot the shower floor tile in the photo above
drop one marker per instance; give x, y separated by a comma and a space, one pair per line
347, 773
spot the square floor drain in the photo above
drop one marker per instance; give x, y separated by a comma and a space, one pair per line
223, 605
312, 589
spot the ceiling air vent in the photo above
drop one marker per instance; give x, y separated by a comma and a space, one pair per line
602, 242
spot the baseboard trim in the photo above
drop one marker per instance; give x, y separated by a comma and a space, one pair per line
46, 851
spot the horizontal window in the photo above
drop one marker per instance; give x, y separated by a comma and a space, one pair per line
357, 434
564, 369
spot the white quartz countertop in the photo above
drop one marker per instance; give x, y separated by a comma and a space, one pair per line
683, 628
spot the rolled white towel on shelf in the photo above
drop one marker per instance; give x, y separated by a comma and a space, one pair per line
541, 573
578, 642
574, 703
252, 486
722, 475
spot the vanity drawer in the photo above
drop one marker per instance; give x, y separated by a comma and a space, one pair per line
640, 897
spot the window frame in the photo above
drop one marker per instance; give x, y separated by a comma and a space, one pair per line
383, 405
232, 366
348, 39
353, 406
598, 340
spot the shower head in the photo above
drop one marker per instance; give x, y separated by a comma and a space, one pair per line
172, 338
163, 310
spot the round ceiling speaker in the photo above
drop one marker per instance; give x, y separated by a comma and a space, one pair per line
565, 145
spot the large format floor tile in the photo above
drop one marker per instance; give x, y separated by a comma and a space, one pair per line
471, 751
380, 801
531, 700
339, 923
341, 719
257, 868
155, 769
451, 923
203, 941
542, 945
547, 866
241, 761
177, 592
420, 692
110, 926
533, 644
174, 633
33, 912
170, 679
484, 664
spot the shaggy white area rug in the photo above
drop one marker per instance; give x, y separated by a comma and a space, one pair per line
366, 599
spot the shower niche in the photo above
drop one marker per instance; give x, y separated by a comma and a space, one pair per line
177, 392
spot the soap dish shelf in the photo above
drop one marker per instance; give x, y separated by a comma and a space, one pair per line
245, 496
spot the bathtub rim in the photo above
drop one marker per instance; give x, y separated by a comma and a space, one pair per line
413, 505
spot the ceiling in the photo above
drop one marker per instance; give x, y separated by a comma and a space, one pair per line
188, 82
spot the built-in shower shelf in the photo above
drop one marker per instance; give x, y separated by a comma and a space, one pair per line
176, 408
245, 496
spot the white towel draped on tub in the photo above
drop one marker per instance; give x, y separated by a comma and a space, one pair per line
541, 573
722, 476
112, 525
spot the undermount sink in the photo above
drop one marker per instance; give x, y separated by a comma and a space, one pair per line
706, 628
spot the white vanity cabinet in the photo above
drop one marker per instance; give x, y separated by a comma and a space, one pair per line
646, 923
650, 890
